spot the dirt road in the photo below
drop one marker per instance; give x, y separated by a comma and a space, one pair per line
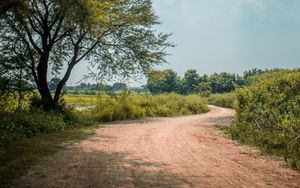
167, 152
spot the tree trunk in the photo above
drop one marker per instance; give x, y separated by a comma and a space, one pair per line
42, 71
62, 83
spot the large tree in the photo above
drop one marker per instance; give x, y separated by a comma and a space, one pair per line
114, 36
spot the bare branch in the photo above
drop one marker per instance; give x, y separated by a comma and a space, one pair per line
34, 27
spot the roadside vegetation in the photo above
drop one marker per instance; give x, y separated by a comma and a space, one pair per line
268, 115
81, 111
226, 100
134, 106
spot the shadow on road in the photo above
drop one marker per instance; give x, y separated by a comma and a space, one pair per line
224, 120
75, 168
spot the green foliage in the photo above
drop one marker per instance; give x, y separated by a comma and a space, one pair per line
30, 120
192, 83
268, 114
189, 83
133, 106
224, 100
204, 89
165, 81
19, 124
223, 82
9, 102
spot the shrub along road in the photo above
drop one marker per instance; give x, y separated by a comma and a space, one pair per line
164, 152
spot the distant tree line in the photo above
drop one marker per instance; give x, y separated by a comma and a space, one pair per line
166, 81
93, 88
159, 81
118, 86
88, 86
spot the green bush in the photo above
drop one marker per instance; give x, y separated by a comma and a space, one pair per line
224, 100
134, 106
19, 124
31, 120
268, 115
22, 123
9, 102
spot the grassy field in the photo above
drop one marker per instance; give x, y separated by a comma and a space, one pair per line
135, 106
81, 100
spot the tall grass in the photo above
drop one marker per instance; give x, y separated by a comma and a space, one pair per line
80, 100
15, 124
133, 106
25, 124
223, 100
9, 102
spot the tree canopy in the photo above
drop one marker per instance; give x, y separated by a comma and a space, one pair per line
163, 81
166, 81
115, 36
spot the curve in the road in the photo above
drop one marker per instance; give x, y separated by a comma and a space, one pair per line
165, 152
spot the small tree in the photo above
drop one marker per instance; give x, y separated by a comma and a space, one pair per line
170, 81
165, 81
222, 82
114, 36
189, 82
204, 89
155, 81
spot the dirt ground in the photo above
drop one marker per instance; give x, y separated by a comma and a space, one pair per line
165, 152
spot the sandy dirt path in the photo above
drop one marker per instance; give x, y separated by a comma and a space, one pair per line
166, 152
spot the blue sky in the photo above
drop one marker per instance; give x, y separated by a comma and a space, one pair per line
227, 35
231, 35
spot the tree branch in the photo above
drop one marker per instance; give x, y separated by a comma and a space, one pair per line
57, 17
87, 52
29, 35
55, 37
35, 6
34, 27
